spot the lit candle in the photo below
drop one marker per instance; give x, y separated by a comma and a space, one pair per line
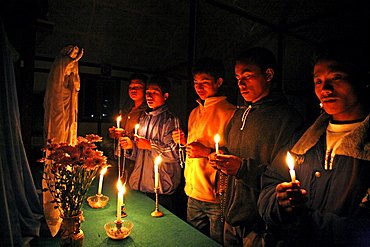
217, 140
119, 199
102, 172
118, 121
136, 128
290, 162
157, 161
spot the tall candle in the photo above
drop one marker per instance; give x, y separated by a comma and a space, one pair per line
290, 162
157, 161
102, 172
119, 198
136, 128
217, 140
118, 121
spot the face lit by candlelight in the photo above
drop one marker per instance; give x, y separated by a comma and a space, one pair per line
336, 94
155, 97
253, 83
206, 86
136, 90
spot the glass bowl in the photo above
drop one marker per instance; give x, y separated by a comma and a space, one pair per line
118, 231
98, 201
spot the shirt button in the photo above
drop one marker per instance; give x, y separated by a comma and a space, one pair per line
317, 174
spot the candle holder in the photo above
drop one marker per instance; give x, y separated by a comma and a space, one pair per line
98, 201
156, 212
118, 229
123, 213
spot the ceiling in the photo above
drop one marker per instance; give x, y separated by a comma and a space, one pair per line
168, 35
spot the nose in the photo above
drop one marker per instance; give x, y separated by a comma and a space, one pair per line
327, 87
241, 82
199, 86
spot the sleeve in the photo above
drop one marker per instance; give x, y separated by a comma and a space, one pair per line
165, 146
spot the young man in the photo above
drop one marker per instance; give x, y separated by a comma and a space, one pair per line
133, 113
205, 121
255, 134
154, 139
329, 205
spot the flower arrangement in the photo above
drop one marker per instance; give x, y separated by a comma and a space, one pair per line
69, 171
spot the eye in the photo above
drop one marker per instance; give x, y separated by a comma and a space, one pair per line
317, 81
335, 78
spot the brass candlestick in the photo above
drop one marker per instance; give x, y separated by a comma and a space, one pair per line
123, 213
156, 212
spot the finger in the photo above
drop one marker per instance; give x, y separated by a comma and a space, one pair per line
296, 202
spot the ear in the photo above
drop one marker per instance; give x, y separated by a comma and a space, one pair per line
219, 82
165, 96
269, 74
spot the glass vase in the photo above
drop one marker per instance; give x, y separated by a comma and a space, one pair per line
71, 234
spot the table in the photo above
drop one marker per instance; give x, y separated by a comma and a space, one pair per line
168, 230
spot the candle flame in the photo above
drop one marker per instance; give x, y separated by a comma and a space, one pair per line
290, 161
217, 138
103, 171
118, 120
123, 189
158, 160
119, 185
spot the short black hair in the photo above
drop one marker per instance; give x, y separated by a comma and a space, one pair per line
138, 76
162, 82
210, 66
350, 57
260, 56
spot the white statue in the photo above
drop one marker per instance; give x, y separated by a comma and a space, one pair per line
61, 96
60, 117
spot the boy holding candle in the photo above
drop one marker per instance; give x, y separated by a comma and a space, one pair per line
154, 139
132, 114
205, 121
329, 203
256, 133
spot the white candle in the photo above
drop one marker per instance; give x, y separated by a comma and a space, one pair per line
157, 161
102, 172
119, 198
290, 162
136, 128
118, 120
217, 140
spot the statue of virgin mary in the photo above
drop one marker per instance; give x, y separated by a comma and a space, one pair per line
60, 116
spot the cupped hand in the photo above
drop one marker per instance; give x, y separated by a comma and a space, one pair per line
290, 195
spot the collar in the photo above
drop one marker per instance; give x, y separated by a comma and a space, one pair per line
356, 144
157, 111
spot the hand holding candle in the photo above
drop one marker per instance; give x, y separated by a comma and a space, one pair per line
102, 172
290, 162
157, 161
217, 140
118, 131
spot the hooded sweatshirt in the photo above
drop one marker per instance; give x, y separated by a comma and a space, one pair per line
256, 133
